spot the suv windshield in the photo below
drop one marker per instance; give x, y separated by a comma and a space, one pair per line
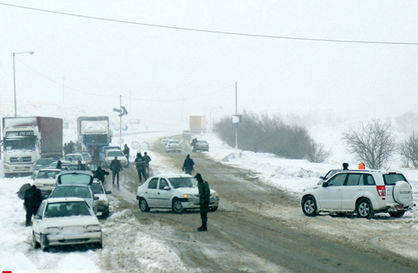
392, 178
182, 182
75, 178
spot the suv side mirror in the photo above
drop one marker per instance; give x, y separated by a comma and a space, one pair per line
322, 177
325, 184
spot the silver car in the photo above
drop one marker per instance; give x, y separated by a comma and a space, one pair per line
102, 203
73, 190
65, 221
172, 191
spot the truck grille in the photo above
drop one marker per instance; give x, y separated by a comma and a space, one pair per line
20, 159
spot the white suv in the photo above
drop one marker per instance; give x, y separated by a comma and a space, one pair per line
364, 192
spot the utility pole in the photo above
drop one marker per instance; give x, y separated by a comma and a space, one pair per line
236, 114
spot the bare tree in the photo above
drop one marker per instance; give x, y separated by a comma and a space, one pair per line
373, 143
409, 150
317, 153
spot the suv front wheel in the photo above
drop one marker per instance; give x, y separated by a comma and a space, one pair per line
309, 207
365, 208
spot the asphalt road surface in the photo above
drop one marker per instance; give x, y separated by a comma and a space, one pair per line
257, 228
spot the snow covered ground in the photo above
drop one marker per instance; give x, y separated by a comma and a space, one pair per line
17, 255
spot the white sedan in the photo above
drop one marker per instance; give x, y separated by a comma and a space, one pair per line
45, 180
173, 145
172, 191
65, 221
111, 154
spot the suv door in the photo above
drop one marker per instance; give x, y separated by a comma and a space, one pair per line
350, 190
330, 193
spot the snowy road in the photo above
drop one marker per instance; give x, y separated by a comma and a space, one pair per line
258, 228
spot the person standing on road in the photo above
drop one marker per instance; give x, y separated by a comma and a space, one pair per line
126, 152
146, 160
204, 198
188, 165
59, 165
81, 166
140, 167
32, 201
100, 174
115, 167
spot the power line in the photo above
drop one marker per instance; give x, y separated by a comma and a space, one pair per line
231, 33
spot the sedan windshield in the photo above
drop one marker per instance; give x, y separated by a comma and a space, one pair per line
75, 178
47, 174
182, 182
71, 191
97, 188
64, 209
114, 153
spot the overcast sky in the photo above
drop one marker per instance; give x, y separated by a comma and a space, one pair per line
166, 74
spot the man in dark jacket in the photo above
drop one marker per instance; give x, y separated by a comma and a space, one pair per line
204, 198
115, 167
126, 152
100, 174
33, 199
146, 160
188, 165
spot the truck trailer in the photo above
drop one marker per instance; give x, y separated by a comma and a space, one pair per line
93, 131
197, 124
27, 139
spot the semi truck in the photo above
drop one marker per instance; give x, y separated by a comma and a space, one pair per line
93, 131
27, 139
197, 124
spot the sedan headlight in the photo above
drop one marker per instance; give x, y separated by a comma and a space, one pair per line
53, 230
92, 228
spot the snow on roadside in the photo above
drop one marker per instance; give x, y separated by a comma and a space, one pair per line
287, 174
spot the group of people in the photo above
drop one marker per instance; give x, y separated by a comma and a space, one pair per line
69, 147
142, 166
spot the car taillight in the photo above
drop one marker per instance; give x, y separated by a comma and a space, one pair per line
381, 190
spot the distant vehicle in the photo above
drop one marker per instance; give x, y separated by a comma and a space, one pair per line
65, 221
172, 191
93, 131
364, 192
105, 148
43, 163
197, 124
187, 135
75, 190
111, 154
74, 157
45, 180
102, 204
201, 145
173, 145
27, 139
164, 140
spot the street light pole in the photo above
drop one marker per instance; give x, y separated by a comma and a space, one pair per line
14, 76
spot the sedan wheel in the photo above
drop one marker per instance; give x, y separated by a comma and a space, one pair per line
365, 209
177, 206
44, 242
35, 244
309, 206
143, 205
